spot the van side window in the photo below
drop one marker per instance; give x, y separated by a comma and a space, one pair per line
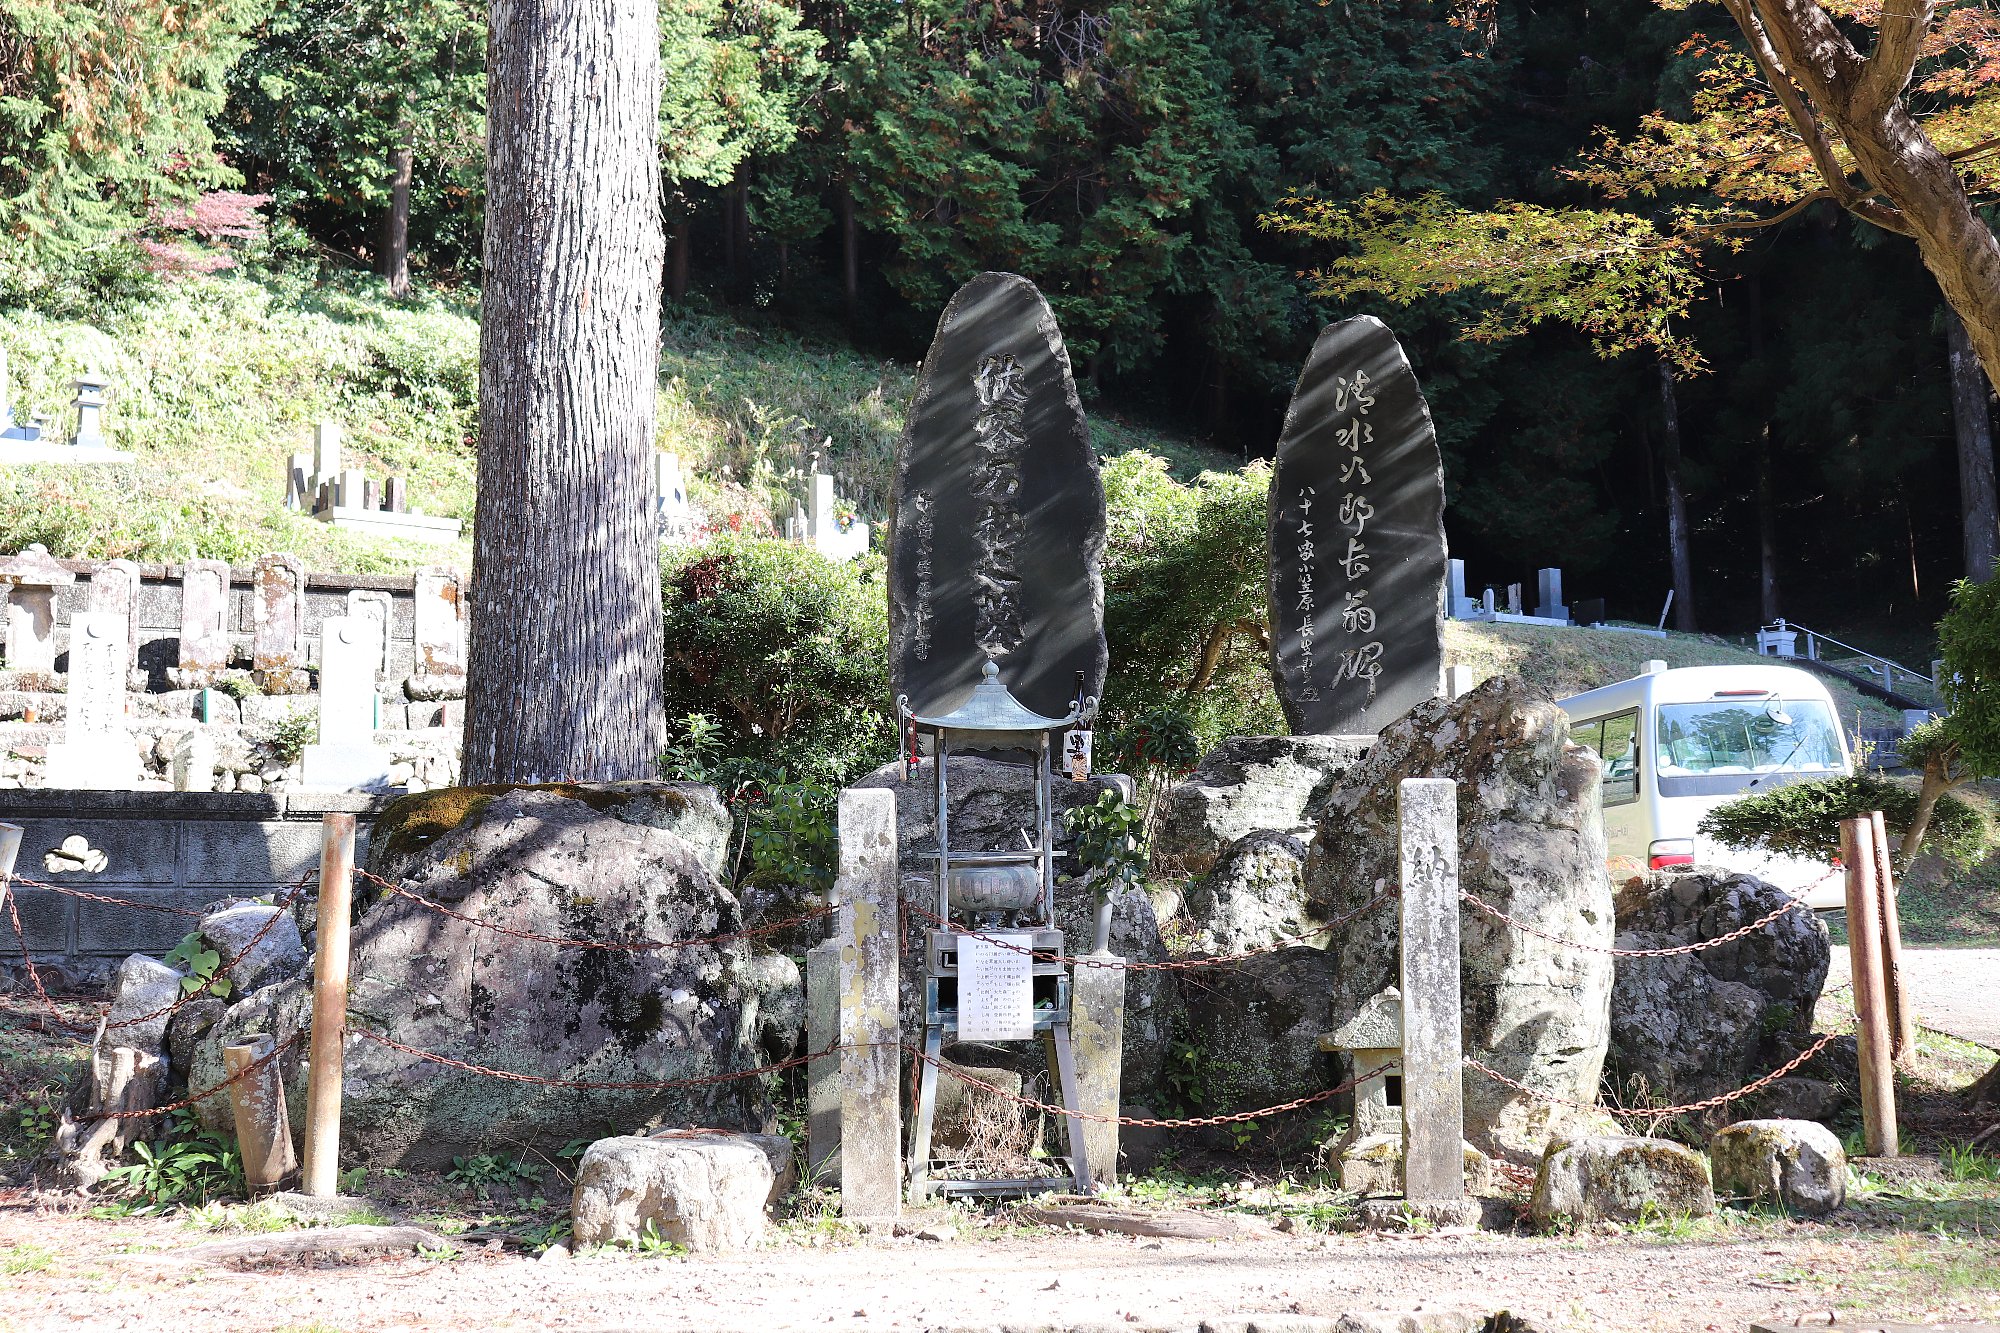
1616, 741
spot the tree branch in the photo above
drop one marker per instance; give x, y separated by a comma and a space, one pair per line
1898, 42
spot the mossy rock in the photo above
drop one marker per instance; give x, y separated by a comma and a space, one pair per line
1796, 1164
1616, 1178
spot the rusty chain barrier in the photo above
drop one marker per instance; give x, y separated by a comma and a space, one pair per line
69, 892
1639, 1112
193, 1097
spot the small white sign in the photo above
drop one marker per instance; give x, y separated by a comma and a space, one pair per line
996, 988
1076, 754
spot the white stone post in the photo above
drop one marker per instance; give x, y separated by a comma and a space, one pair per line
871, 1120
1097, 1031
1433, 1059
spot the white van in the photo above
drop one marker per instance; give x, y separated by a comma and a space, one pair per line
1676, 744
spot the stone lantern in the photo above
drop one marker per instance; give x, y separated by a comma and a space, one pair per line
30, 580
90, 412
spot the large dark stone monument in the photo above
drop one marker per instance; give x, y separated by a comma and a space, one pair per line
1356, 539
997, 521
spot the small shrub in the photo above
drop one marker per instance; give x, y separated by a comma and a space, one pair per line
288, 737
189, 1165
1803, 819
793, 837
201, 964
1111, 837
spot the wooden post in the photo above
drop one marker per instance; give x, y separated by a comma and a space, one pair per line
1433, 1049
263, 1128
329, 1018
1864, 945
1902, 1019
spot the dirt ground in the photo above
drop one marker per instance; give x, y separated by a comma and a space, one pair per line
69, 1271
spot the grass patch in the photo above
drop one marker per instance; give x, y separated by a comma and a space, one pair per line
26, 1258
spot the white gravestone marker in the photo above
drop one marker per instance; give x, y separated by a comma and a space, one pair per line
114, 589
347, 757
96, 750
375, 606
996, 988
204, 649
440, 634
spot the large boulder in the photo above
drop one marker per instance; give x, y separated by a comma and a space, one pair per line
554, 862
1255, 1028
1530, 844
1254, 896
1618, 1178
1247, 784
1689, 1026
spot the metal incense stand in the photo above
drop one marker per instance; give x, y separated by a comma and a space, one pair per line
997, 890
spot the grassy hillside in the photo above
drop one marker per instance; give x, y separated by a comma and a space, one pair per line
1569, 661
217, 380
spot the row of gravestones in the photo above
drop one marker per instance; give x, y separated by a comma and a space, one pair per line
32, 579
998, 524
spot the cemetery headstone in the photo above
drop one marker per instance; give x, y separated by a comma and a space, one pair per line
1549, 595
1357, 551
347, 757
96, 750
278, 647
377, 607
31, 579
997, 517
1513, 599
396, 497
194, 762
114, 590
440, 636
204, 648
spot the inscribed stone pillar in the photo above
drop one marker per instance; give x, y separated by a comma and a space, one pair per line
326, 451
1097, 1030
823, 1075
1356, 539
440, 635
871, 1121
194, 762
31, 579
1433, 1055
347, 757
204, 648
114, 590
278, 650
96, 750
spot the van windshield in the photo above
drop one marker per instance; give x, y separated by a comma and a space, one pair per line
1746, 736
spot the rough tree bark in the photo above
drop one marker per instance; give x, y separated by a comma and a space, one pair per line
1677, 515
564, 671
1979, 505
396, 227
1833, 96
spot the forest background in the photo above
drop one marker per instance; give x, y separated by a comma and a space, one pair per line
834, 170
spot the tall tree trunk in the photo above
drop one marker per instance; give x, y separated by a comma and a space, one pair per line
396, 230
1979, 506
677, 264
850, 256
1677, 518
565, 664
1836, 97
1767, 534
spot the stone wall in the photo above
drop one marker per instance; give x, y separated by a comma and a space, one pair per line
162, 849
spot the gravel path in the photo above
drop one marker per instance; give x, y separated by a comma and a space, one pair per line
1955, 990
106, 1274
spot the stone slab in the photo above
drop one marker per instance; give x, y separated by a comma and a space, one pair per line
1356, 545
1097, 1033
135, 851
45, 920
871, 1123
997, 519
1433, 1049
274, 852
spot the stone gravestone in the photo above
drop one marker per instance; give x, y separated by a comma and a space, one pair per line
114, 590
278, 650
347, 757
204, 648
440, 634
31, 579
1357, 549
96, 749
997, 518
378, 607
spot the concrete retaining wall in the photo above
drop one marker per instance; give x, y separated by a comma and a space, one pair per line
173, 849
